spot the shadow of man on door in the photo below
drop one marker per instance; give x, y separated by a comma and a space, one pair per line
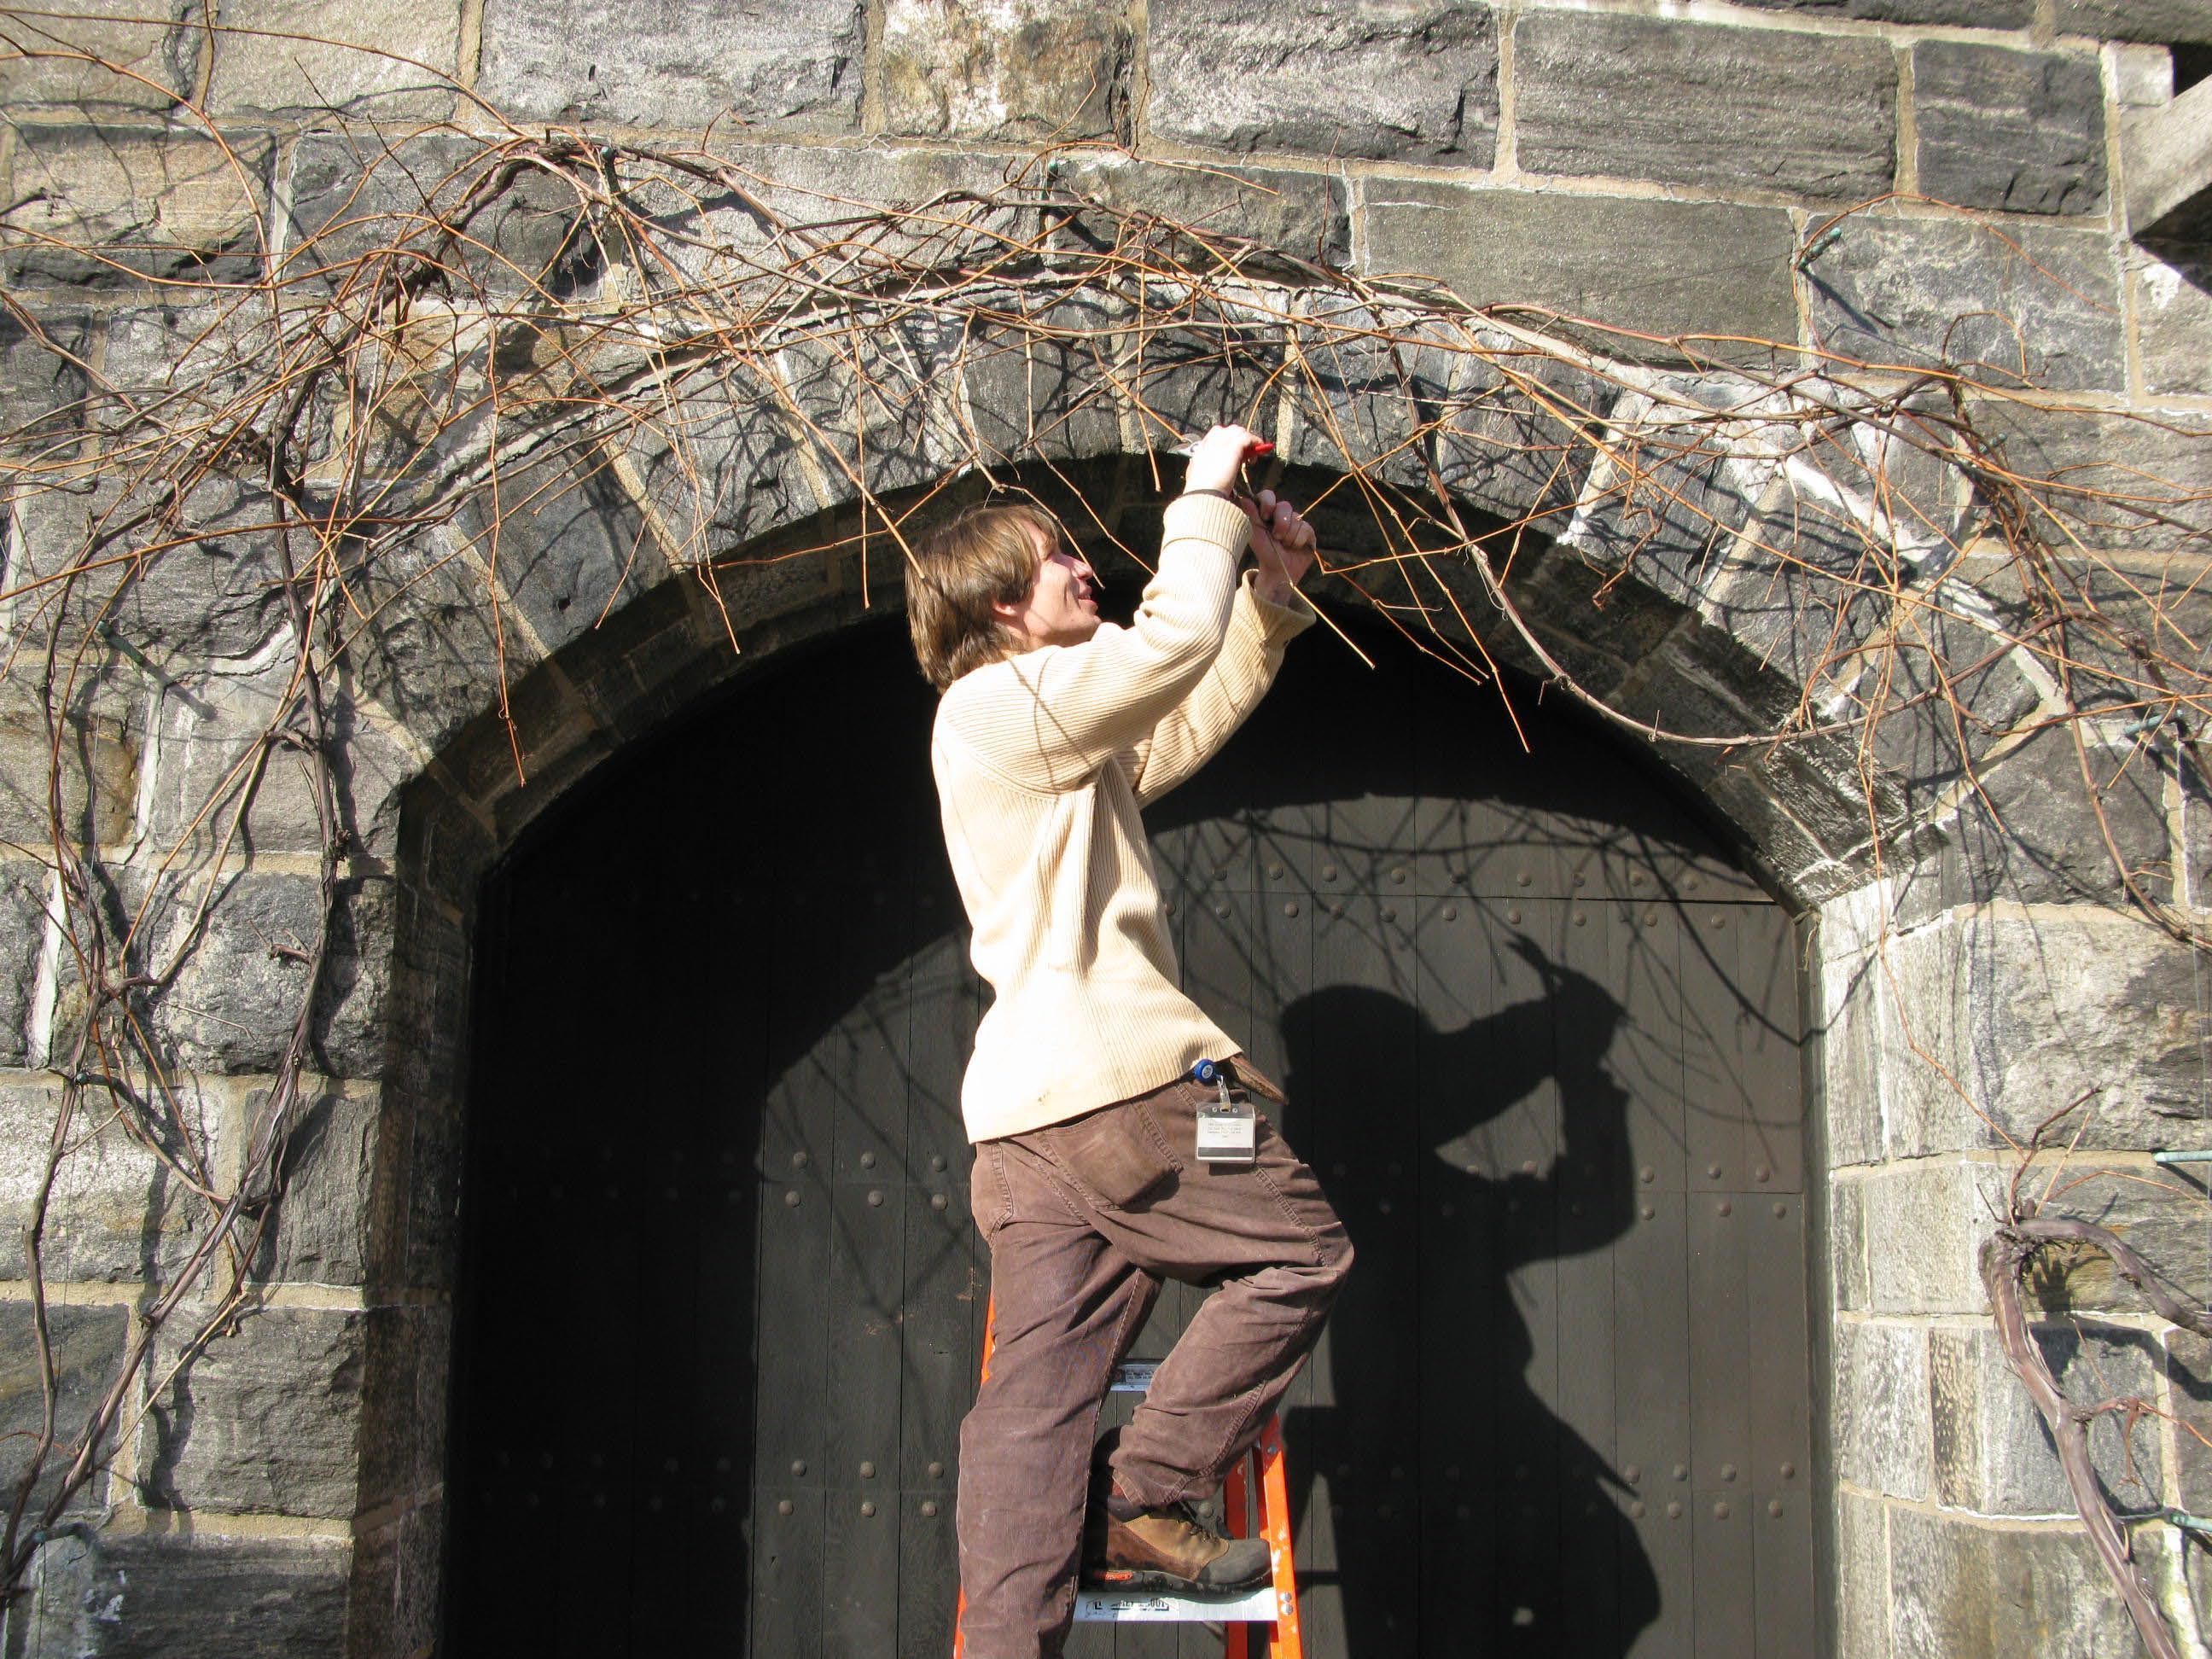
1519, 1539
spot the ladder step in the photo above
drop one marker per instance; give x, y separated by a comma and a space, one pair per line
1135, 1607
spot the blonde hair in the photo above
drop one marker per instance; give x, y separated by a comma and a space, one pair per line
982, 555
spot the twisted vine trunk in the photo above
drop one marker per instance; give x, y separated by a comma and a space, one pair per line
2005, 1259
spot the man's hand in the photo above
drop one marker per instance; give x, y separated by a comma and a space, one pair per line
1282, 544
1217, 460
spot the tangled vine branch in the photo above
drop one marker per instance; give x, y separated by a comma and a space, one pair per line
464, 326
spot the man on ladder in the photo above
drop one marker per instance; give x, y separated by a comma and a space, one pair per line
1103, 1163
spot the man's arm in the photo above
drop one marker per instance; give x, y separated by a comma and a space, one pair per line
1188, 736
1048, 720
1267, 614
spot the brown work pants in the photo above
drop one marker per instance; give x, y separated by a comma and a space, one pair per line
1084, 1219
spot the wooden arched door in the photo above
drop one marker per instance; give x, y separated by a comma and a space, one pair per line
1541, 1041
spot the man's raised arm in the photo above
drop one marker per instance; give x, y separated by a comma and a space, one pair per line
1267, 614
1050, 717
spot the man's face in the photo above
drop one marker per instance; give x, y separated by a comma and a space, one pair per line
1062, 607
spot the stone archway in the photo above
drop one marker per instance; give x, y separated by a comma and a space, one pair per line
604, 641
1664, 641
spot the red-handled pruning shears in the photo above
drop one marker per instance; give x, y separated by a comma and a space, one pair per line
1252, 451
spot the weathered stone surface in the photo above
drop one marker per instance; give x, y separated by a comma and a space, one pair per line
2012, 131
669, 63
1700, 104
116, 1213
656, 642
552, 727
1925, 1222
1862, 1576
1667, 500
397, 1571
2163, 1224
1880, 1403
1368, 378
2034, 835
42, 392
2155, 472
213, 589
2173, 318
2143, 77
2188, 1369
426, 649
1029, 396
188, 359
1303, 213
231, 1005
2029, 1010
433, 1195
878, 404
213, 722
381, 60
1850, 1058
1663, 268
99, 767
1395, 392
567, 545
1970, 1591
22, 935
2167, 171
2161, 22
403, 1439
107, 53
265, 1417
88, 1345
443, 846
1810, 783
1408, 80
1557, 590
1993, 1454
104, 205
348, 199
1511, 442
833, 186
1981, 13
1924, 292
68, 1587
725, 467
324, 1220
201, 1595
1847, 1247
1053, 69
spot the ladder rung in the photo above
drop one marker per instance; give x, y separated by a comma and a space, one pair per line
1136, 1606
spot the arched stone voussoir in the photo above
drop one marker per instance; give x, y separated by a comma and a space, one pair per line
1397, 392
1053, 386
1221, 360
878, 401
1674, 602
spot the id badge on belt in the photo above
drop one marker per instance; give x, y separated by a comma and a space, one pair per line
1228, 1128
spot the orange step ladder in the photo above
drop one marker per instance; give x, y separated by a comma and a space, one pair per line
1261, 1623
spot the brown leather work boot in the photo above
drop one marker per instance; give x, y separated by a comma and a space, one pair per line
1171, 1549
1126, 1546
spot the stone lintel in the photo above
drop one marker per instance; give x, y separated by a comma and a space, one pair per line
2168, 157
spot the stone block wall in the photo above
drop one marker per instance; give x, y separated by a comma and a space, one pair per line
1672, 170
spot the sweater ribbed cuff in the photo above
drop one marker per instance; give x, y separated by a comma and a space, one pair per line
1280, 621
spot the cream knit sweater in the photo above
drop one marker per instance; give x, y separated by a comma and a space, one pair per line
1042, 761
